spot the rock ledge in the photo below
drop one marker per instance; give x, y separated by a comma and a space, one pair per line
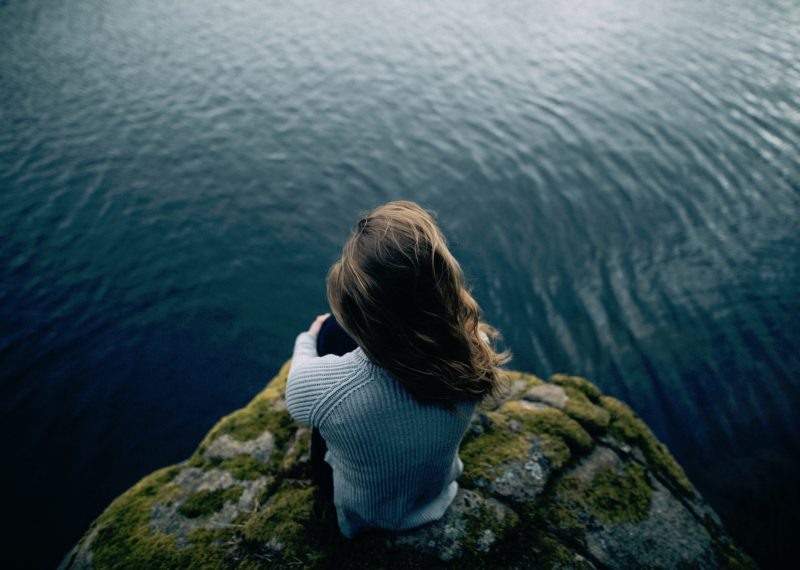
556, 476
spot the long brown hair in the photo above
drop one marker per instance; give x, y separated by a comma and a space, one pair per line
400, 293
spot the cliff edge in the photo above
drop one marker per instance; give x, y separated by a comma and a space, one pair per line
556, 476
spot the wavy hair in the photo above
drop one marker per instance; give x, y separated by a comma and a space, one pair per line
400, 293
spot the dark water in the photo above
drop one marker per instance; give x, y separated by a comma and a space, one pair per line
620, 180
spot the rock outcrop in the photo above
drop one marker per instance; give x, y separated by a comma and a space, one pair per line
556, 476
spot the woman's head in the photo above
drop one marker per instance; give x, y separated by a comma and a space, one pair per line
401, 295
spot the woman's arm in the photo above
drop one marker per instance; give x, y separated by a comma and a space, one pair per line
305, 385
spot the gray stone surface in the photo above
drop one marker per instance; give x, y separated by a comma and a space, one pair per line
226, 447
670, 537
167, 518
446, 537
549, 394
520, 480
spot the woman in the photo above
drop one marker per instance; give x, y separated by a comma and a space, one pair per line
391, 392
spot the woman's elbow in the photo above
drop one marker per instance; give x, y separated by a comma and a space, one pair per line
294, 399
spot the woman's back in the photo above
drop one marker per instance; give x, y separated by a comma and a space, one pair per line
394, 410
395, 460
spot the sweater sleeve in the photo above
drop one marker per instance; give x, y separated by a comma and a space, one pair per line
307, 381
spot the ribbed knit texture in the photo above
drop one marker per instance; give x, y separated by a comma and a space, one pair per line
395, 461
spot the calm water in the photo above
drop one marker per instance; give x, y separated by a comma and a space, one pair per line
621, 181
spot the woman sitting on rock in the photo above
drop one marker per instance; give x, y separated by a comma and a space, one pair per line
389, 383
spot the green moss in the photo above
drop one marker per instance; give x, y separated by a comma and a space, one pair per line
168, 493
264, 412
253, 420
285, 519
569, 506
560, 516
259, 415
486, 455
264, 494
551, 422
301, 445
555, 450
245, 424
611, 497
123, 532
620, 497
244, 467
209, 536
482, 522
197, 459
580, 384
550, 553
626, 426
579, 407
510, 376
205, 502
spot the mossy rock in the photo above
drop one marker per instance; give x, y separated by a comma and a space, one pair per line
205, 502
556, 476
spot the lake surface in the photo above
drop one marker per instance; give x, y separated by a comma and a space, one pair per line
620, 180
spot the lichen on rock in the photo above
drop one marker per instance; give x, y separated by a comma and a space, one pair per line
556, 475
473, 523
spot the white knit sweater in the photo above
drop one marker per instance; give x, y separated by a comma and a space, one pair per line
395, 461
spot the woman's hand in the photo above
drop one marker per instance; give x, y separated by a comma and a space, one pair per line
317, 324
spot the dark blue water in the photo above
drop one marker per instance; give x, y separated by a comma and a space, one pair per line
620, 180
